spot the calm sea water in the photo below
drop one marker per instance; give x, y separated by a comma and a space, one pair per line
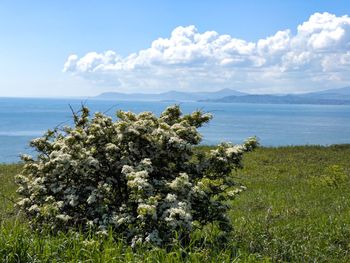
275, 125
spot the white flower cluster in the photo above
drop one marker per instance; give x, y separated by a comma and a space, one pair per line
139, 175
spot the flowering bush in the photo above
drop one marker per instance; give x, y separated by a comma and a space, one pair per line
139, 175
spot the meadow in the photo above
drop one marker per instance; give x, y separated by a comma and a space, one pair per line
296, 208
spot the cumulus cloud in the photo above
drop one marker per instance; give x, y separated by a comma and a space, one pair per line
317, 56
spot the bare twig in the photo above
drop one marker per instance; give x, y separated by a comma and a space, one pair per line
115, 105
75, 116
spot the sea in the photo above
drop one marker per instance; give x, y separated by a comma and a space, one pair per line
22, 119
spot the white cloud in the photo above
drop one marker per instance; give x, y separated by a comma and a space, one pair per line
317, 56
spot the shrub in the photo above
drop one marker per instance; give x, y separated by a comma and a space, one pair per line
139, 175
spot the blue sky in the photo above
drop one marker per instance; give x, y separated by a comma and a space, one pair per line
111, 44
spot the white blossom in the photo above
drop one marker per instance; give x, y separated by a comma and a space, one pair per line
91, 199
139, 175
64, 218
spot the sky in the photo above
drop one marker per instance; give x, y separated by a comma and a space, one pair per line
83, 48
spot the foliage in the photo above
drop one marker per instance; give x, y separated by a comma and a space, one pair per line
138, 175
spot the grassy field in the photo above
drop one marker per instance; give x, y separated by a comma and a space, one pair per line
296, 209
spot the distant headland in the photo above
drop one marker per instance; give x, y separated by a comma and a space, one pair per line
339, 96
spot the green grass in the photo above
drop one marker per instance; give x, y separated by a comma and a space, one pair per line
296, 208
7, 190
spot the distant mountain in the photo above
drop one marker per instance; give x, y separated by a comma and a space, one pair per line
337, 94
328, 97
169, 96
273, 99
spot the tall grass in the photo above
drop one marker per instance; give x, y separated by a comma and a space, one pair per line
288, 213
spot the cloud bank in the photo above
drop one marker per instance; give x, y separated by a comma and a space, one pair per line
315, 57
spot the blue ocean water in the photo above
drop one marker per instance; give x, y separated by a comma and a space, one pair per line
275, 125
